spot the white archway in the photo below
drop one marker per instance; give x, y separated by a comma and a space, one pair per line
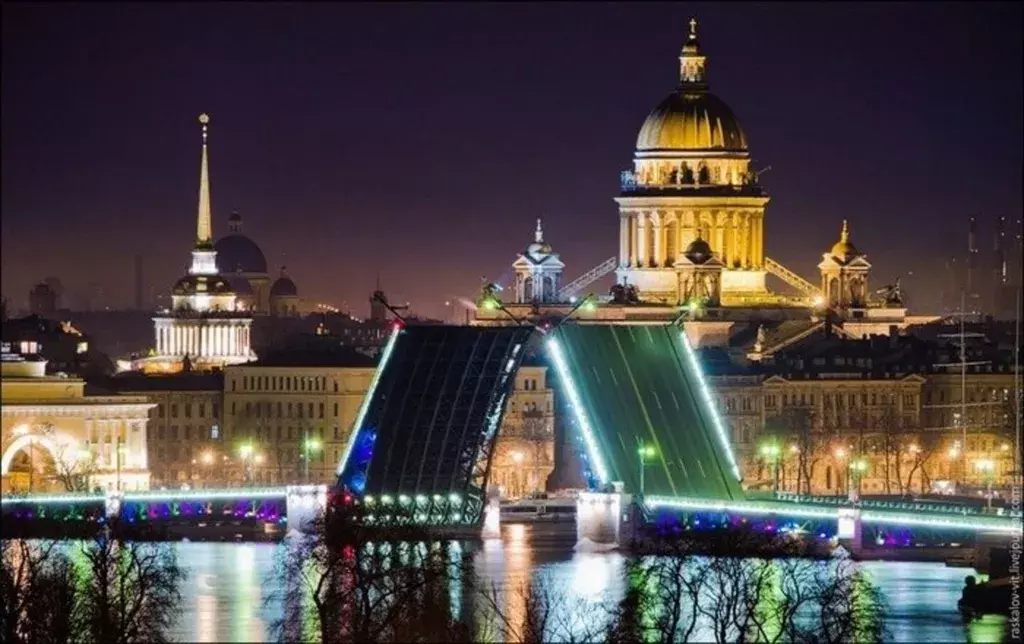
60, 449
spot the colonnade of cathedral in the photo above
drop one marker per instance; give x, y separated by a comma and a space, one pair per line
655, 238
203, 340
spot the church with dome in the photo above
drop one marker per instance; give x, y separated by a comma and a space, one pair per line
692, 236
245, 266
207, 327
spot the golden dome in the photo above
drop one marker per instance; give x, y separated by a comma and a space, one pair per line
691, 117
844, 248
691, 120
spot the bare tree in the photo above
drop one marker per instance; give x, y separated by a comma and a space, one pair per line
38, 602
72, 469
369, 586
549, 614
131, 590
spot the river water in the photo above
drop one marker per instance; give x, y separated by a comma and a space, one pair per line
228, 582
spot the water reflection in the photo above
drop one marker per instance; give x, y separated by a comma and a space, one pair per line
226, 590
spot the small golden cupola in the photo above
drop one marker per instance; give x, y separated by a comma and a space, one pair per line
844, 250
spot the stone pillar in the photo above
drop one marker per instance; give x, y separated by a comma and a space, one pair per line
599, 518
658, 229
734, 238
718, 240
634, 245
623, 241
641, 235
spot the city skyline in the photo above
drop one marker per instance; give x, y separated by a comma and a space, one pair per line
457, 127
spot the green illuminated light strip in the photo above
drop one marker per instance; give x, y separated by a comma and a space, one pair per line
702, 505
577, 406
1009, 526
58, 498
723, 437
202, 495
365, 407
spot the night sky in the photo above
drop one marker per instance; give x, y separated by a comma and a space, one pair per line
421, 141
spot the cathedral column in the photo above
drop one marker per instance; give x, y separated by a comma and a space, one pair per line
718, 242
623, 242
658, 229
760, 240
641, 234
734, 238
749, 235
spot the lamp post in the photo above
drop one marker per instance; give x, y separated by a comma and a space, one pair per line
840, 454
771, 452
245, 451
987, 467
311, 445
857, 468
644, 452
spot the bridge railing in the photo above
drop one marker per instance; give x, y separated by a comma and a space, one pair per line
929, 507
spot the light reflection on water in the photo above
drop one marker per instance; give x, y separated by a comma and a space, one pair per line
228, 582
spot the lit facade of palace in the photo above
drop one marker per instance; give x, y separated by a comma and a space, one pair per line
56, 438
206, 327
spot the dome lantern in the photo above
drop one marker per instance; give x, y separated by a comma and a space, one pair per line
691, 62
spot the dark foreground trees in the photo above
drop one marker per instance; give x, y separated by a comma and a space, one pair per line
400, 587
109, 591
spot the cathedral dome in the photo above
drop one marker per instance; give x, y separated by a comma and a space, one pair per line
236, 253
691, 117
699, 251
240, 285
844, 248
283, 286
691, 120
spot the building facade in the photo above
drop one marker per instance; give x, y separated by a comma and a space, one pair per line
205, 328
524, 453
55, 438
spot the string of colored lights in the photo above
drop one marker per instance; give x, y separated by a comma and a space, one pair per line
577, 407
368, 398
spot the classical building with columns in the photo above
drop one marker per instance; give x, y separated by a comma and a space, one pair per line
206, 327
54, 437
691, 178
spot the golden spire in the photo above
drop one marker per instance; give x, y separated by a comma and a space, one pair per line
204, 232
844, 236
844, 248
538, 235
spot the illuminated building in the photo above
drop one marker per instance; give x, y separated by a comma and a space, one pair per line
524, 451
692, 237
57, 438
185, 445
691, 177
538, 271
205, 327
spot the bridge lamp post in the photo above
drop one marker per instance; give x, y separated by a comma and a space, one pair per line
771, 453
644, 452
840, 454
986, 467
311, 445
857, 468
245, 451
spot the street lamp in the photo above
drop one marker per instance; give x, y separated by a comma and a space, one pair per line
644, 452
311, 445
857, 468
987, 467
245, 452
771, 453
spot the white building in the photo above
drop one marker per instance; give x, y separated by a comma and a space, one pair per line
206, 327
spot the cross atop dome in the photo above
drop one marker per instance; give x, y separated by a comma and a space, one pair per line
691, 62
538, 235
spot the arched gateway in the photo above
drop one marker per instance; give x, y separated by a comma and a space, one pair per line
55, 438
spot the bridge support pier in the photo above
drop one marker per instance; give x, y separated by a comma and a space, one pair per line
305, 503
849, 532
603, 518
